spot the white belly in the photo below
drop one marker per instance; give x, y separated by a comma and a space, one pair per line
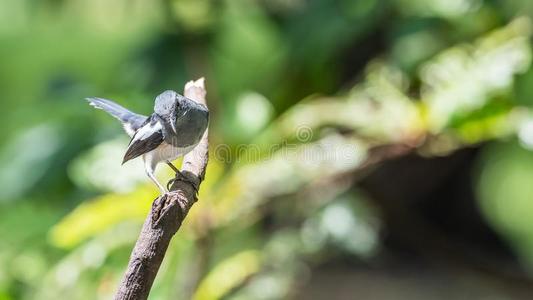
168, 152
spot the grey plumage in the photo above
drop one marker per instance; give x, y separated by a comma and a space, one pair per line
189, 119
130, 120
174, 129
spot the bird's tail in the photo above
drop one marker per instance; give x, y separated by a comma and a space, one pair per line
130, 120
117, 111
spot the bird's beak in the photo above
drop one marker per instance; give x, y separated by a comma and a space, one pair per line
174, 120
173, 125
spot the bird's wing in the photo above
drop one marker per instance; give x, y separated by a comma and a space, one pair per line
130, 120
146, 139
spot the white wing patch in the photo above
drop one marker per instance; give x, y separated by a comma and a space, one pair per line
129, 130
147, 130
146, 139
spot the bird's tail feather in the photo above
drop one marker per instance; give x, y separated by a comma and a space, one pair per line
112, 108
129, 119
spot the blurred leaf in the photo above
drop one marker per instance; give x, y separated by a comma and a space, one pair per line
504, 189
71, 276
100, 168
284, 170
228, 274
27, 159
465, 77
100, 214
194, 15
249, 52
378, 109
439, 8
348, 223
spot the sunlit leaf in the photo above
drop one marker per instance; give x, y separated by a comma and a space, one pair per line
100, 214
465, 77
228, 274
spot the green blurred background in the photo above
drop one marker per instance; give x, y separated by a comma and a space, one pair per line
360, 149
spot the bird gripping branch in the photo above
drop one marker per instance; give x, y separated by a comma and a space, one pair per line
172, 130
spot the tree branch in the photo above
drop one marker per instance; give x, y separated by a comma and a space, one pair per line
166, 215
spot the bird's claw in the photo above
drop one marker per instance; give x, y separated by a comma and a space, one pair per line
170, 183
181, 177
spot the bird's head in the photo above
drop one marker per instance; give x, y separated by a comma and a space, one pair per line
166, 103
172, 107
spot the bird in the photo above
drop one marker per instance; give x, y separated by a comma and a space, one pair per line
174, 129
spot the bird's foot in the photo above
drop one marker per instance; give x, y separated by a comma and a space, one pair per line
182, 177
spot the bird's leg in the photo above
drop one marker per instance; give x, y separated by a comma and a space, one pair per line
172, 166
150, 168
179, 176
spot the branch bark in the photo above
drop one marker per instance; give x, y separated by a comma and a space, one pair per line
166, 216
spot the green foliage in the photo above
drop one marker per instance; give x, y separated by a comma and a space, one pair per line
506, 199
310, 88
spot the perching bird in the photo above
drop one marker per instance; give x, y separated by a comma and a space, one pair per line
173, 130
